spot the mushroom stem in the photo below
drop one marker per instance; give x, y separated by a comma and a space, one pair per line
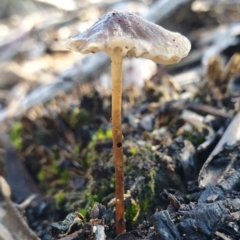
116, 68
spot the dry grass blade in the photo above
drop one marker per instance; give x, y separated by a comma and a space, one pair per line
12, 220
4, 233
5, 189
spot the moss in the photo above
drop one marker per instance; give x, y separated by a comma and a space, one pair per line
145, 203
83, 211
131, 212
52, 172
54, 155
73, 118
64, 176
140, 161
15, 135
77, 116
102, 135
147, 196
151, 183
108, 134
53, 169
133, 150
195, 140
60, 198
90, 199
88, 158
112, 182
77, 148
41, 176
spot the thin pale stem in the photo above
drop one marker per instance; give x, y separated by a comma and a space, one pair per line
116, 67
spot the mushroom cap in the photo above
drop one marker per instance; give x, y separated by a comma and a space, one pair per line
134, 35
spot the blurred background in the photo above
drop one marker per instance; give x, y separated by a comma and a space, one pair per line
33, 34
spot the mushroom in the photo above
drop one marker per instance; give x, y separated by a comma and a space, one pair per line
125, 34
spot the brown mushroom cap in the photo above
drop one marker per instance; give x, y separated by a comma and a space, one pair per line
134, 35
